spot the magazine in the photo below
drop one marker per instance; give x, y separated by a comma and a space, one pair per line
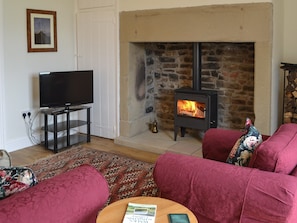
140, 213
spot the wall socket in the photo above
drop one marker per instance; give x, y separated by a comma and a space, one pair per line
26, 113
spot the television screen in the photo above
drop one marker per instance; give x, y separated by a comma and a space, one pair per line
65, 88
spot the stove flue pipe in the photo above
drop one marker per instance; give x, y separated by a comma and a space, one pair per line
196, 66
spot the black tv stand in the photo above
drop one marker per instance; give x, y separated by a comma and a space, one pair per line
65, 141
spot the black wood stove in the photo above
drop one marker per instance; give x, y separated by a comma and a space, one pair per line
195, 108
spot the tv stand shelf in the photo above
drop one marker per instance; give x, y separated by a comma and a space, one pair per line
65, 141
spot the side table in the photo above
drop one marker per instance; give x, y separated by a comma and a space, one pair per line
115, 212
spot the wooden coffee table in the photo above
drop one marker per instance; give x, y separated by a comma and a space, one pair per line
115, 212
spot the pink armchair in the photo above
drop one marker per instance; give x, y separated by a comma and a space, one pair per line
75, 196
215, 191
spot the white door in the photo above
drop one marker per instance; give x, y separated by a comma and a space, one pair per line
96, 47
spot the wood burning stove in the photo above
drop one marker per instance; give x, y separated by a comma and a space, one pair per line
196, 109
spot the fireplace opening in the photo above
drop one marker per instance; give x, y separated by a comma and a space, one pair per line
224, 67
158, 69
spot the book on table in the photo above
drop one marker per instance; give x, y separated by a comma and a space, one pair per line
140, 213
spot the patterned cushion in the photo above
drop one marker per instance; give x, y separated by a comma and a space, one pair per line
244, 147
15, 179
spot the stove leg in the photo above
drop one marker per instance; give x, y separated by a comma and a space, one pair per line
175, 133
183, 131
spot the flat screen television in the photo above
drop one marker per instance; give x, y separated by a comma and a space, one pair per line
65, 88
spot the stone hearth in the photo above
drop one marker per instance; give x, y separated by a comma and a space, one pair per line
241, 23
163, 142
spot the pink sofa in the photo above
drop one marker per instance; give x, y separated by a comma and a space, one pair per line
75, 196
215, 191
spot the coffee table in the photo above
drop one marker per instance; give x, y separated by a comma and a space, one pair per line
115, 212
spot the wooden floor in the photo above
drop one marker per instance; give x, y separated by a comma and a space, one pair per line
29, 155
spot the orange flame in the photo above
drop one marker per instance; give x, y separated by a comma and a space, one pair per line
191, 108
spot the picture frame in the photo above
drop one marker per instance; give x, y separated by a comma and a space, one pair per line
41, 31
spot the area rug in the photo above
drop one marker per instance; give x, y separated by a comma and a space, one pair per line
126, 177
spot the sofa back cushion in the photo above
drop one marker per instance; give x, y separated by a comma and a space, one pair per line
279, 152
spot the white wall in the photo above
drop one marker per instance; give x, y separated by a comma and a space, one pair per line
290, 32
278, 47
1, 76
131, 5
21, 68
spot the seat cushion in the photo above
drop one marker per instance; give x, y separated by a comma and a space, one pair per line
279, 152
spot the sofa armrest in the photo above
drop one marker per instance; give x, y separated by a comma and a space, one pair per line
217, 143
220, 192
73, 196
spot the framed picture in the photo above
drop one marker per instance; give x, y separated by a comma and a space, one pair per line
41, 31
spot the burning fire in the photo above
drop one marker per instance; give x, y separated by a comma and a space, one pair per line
191, 108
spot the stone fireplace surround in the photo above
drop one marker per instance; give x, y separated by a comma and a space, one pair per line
222, 23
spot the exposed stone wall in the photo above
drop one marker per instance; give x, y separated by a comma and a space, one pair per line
229, 69
168, 67
226, 67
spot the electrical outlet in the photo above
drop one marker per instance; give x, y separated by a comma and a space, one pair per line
26, 113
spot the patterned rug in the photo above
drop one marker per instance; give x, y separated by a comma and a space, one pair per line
126, 177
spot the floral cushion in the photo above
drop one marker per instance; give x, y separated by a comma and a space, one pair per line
244, 147
15, 179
